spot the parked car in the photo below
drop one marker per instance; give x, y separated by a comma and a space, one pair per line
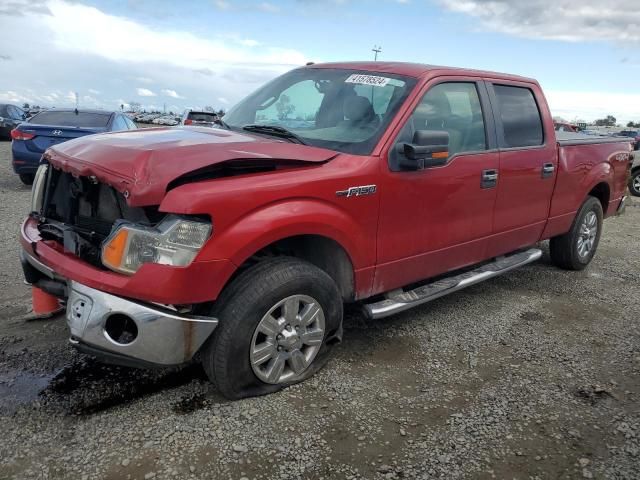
199, 118
169, 120
149, 117
10, 117
241, 245
594, 133
32, 137
634, 177
634, 135
564, 127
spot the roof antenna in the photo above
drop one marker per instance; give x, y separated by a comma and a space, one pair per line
376, 50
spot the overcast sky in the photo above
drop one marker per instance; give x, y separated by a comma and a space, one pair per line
586, 53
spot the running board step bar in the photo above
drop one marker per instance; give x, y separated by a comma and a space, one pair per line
399, 300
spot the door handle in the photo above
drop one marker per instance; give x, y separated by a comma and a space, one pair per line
489, 178
547, 170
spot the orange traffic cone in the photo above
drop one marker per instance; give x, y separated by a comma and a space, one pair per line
44, 305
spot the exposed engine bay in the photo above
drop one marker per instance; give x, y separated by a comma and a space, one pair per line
79, 213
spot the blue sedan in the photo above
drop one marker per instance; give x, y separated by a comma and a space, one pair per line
33, 137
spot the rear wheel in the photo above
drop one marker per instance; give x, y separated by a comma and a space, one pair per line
26, 178
278, 322
575, 249
634, 183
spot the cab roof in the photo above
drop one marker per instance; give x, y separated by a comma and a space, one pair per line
418, 70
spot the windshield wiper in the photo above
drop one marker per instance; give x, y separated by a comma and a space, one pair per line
276, 131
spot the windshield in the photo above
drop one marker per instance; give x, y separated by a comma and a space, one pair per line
343, 110
71, 119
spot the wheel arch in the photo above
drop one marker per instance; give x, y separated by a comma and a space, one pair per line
635, 170
324, 252
336, 240
602, 192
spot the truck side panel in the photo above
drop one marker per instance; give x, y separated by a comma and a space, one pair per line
581, 169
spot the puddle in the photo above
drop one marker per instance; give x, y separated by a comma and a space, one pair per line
531, 317
190, 403
89, 386
593, 394
19, 389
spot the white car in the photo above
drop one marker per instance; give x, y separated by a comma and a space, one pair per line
165, 120
149, 117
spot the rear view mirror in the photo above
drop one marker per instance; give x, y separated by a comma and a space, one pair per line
429, 148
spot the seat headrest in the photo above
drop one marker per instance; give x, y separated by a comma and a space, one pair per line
358, 109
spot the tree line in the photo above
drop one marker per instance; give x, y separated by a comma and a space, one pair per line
610, 121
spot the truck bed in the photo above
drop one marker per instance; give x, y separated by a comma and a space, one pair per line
585, 161
575, 138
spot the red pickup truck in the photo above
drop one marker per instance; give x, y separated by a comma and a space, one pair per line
386, 184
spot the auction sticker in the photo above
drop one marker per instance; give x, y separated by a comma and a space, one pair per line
367, 80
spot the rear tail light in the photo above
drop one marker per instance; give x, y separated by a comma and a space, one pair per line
188, 121
20, 135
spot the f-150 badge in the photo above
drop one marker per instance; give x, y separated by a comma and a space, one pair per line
357, 191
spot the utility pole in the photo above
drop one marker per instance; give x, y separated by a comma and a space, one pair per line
376, 49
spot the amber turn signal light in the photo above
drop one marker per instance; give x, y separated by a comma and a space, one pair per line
113, 251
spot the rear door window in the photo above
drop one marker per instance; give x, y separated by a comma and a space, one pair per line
15, 113
119, 124
519, 115
72, 119
130, 124
202, 116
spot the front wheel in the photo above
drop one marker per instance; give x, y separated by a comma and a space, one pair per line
575, 249
278, 322
634, 183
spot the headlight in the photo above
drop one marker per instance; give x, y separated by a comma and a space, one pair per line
37, 190
174, 241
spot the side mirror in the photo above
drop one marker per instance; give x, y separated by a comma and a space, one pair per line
429, 148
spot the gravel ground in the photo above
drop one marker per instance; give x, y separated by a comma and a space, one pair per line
531, 375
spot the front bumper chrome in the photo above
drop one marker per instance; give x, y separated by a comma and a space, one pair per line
163, 337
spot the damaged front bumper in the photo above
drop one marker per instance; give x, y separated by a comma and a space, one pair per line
120, 330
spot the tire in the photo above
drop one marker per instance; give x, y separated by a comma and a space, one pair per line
26, 178
575, 249
634, 183
229, 357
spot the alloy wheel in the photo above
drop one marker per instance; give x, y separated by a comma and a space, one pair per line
587, 234
287, 339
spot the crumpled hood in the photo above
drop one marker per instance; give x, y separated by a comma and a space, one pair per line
141, 163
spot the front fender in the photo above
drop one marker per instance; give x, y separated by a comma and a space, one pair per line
268, 224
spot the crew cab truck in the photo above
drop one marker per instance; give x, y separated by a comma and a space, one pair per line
386, 184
